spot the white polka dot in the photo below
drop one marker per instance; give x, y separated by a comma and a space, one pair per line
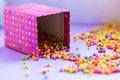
32, 18
23, 37
29, 23
29, 33
33, 35
12, 23
13, 17
13, 45
32, 29
19, 41
33, 41
10, 33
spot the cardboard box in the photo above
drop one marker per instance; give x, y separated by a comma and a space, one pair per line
23, 24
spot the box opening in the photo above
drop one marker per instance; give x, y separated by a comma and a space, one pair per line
51, 33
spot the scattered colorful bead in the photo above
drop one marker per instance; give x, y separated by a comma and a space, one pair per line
44, 71
23, 58
46, 77
48, 69
27, 74
77, 48
48, 65
26, 66
104, 37
24, 63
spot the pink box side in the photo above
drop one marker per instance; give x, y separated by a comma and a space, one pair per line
20, 32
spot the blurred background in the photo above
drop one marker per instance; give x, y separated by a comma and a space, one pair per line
82, 11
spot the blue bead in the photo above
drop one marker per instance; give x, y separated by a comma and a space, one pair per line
86, 57
33, 47
73, 56
91, 57
89, 68
22, 25
101, 47
20, 47
7, 33
107, 59
119, 60
106, 35
78, 54
110, 37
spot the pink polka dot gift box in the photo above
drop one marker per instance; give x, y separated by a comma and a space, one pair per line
36, 29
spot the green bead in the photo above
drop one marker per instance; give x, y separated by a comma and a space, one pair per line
23, 58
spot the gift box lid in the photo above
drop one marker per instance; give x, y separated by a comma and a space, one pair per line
35, 9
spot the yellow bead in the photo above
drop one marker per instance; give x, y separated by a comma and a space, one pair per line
66, 69
48, 69
26, 66
71, 70
48, 57
108, 71
86, 71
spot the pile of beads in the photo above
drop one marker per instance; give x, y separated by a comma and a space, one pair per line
107, 36
49, 44
103, 64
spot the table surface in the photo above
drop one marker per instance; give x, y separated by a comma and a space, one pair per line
12, 68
